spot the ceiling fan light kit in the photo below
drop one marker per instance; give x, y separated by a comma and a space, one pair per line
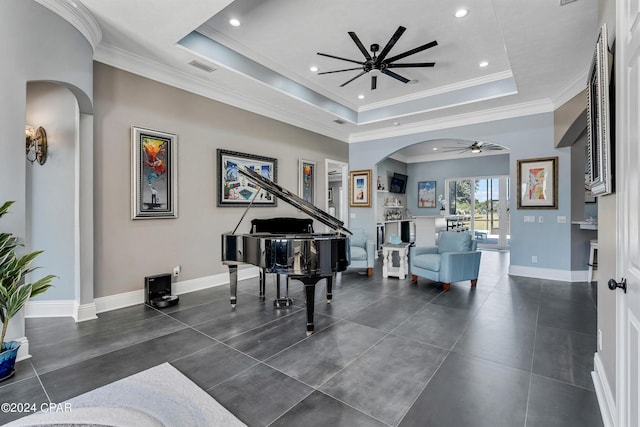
379, 63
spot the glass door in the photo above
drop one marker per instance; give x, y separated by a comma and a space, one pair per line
479, 205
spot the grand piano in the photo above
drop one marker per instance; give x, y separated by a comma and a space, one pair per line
307, 257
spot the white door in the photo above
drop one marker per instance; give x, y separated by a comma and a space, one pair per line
627, 57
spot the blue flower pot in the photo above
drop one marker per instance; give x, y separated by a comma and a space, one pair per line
8, 357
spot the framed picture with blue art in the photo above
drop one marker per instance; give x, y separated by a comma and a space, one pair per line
154, 187
427, 194
234, 189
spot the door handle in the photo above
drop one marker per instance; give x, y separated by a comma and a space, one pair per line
613, 285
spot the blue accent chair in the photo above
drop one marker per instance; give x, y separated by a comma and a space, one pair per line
363, 251
456, 258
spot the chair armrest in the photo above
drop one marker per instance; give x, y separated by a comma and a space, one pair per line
456, 266
421, 250
371, 253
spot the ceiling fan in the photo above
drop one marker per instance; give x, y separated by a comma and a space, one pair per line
475, 147
380, 63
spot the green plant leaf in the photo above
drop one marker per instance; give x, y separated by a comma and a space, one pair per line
5, 207
18, 299
42, 285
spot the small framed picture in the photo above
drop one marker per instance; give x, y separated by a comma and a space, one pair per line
154, 186
307, 181
330, 195
538, 183
360, 188
427, 194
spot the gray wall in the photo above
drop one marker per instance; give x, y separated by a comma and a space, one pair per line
526, 137
50, 187
127, 250
440, 170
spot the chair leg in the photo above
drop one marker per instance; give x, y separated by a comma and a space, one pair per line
474, 282
369, 271
446, 286
414, 278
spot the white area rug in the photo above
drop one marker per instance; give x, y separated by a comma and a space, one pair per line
160, 396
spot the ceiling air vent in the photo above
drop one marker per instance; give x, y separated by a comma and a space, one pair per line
339, 121
203, 67
563, 2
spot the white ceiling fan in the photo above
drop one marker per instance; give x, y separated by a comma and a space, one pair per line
475, 147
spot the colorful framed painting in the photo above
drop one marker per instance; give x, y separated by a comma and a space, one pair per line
307, 183
154, 184
360, 188
427, 194
538, 183
234, 189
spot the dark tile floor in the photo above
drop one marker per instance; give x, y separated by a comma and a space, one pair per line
512, 352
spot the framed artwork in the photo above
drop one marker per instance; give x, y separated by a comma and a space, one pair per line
538, 183
600, 153
360, 188
330, 195
235, 189
307, 183
427, 194
154, 172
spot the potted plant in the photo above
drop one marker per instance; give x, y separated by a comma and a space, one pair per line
14, 292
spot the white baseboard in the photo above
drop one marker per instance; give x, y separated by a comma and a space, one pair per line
603, 393
127, 299
83, 312
549, 273
23, 351
59, 308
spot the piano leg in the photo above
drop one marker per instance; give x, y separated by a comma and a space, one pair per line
329, 286
233, 284
282, 292
310, 294
263, 279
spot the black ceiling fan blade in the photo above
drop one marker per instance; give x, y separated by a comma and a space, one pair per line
339, 71
391, 43
395, 76
374, 82
350, 80
413, 51
412, 65
342, 59
358, 43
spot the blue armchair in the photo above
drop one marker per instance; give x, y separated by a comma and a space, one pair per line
455, 258
363, 251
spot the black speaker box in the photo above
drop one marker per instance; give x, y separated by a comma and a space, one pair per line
157, 291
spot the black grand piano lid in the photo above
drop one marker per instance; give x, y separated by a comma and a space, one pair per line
295, 201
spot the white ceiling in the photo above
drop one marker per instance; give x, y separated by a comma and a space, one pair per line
538, 53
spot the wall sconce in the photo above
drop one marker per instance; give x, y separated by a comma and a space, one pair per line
36, 140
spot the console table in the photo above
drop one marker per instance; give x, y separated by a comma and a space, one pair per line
387, 262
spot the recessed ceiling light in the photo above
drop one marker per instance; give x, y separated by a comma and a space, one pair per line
435, 148
396, 123
313, 69
234, 22
461, 13
360, 96
483, 64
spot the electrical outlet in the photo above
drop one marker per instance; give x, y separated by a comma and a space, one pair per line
534, 259
352, 215
562, 220
176, 270
540, 219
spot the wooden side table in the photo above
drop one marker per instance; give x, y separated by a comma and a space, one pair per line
388, 268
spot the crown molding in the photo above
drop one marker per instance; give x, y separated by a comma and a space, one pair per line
438, 91
572, 89
493, 114
77, 15
144, 67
